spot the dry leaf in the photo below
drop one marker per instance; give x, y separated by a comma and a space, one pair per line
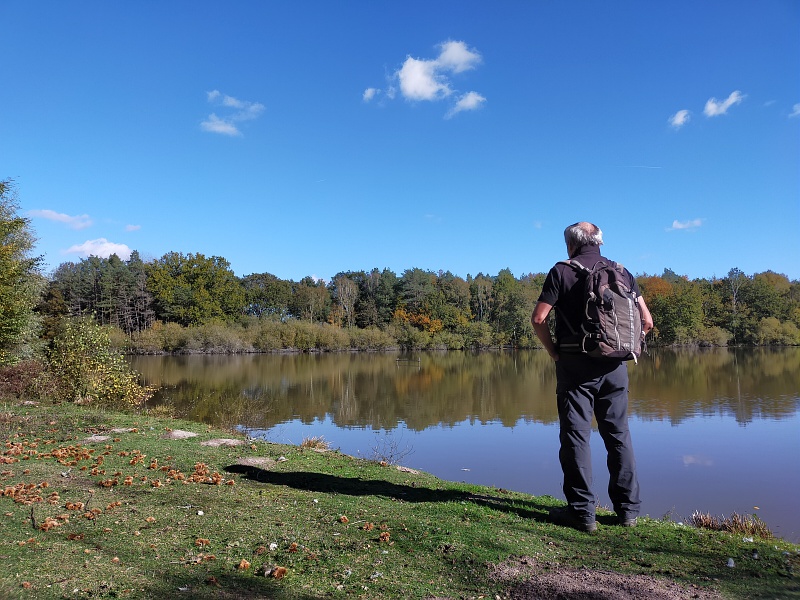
243, 565
278, 572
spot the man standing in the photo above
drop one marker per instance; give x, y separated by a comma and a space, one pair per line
587, 386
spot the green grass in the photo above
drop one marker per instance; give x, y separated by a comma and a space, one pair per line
340, 526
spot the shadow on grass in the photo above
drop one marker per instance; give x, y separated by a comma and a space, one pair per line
223, 586
353, 486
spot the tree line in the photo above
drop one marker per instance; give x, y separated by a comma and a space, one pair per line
188, 302
415, 309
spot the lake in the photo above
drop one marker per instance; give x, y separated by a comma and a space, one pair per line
714, 430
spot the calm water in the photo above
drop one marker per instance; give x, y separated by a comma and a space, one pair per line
716, 430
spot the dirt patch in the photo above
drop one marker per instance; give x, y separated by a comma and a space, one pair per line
96, 439
552, 582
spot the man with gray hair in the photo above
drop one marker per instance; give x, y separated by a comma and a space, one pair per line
587, 386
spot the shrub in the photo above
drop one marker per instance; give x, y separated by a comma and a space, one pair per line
332, 338
371, 338
90, 371
268, 337
713, 336
217, 337
27, 380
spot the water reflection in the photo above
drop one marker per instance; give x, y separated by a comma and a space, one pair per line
381, 391
714, 430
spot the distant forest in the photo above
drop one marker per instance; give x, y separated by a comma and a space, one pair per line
193, 303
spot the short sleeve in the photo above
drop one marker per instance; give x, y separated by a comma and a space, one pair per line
550, 289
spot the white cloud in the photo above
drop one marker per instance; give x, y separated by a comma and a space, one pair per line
457, 57
241, 110
132, 227
685, 225
214, 124
421, 80
469, 101
715, 107
430, 79
680, 118
795, 111
100, 247
73, 222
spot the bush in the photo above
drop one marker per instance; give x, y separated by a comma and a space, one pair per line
371, 338
90, 371
713, 336
27, 380
477, 335
217, 337
268, 337
446, 340
332, 338
771, 331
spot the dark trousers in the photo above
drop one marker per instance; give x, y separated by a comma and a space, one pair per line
586, 386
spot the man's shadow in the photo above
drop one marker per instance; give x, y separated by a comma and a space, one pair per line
354, 486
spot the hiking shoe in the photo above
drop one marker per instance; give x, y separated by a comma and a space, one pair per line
627, 521
567, 518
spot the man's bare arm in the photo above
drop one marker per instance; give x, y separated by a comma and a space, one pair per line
539, 322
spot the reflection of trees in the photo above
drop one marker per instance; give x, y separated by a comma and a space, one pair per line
377, 391
745, 383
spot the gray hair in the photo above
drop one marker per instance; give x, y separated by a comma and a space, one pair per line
583, 234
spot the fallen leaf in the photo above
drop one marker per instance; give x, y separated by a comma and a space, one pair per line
278, 572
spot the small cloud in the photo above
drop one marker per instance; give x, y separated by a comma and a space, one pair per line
420, 80
214, 124
430, 79
457, 57
132, 227
714, 107
100, 247
469, 101
241, 110
76, 222
685, 225
680, 118
795, 111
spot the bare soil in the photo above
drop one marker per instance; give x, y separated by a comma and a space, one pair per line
536, 581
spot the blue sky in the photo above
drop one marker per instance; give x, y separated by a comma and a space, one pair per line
308, 138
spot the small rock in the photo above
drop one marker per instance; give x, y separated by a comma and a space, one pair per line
200, 513
178, 434
731, 564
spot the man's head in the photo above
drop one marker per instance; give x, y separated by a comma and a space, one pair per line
582, 234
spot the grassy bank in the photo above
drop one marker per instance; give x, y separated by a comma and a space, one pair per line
101, 505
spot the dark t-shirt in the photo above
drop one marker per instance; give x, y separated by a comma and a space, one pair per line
561, 292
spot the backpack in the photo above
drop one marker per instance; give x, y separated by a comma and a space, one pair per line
611, 326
